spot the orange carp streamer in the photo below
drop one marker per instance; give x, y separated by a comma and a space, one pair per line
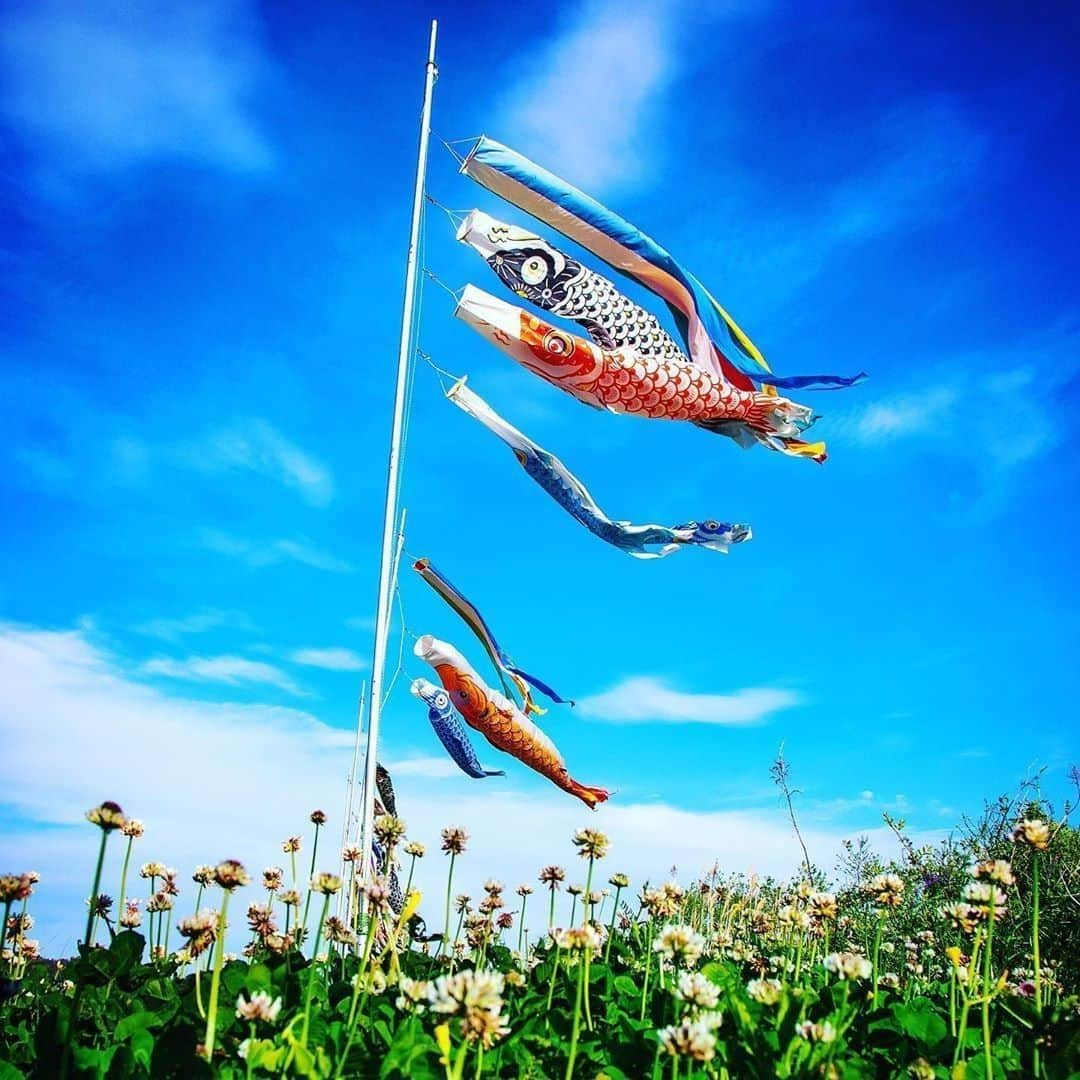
499, 720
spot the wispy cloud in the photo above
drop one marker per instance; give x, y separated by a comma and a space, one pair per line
199, 623
643, 698
60, 684
586, 102
233, 670
905, 414
273, 551
924, 155
97, 88
361, 622
983, 409
331, 659
257, 446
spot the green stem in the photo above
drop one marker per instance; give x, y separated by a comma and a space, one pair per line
588, 952
353, 1008
521, 926
198, 988
648, 968
412, 865
313, 968
446, 921
123, 877
251, 1046
987, 975
1035, 930
551, 907
877, 949
307, 898
611, 925
575, 1031
215, 980
89, 936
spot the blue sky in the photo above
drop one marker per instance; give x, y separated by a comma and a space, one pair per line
203, 238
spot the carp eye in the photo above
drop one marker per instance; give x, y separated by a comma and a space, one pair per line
533, 270
712, 526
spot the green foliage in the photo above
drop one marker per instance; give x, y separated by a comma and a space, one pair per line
871, 982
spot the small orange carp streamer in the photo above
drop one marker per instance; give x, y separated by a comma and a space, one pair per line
499, 720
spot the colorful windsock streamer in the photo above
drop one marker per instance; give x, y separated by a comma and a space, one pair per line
640, 541
475, 622
713, 339
450, 731
621, 381
499, 720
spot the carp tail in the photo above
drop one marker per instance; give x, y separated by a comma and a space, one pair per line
590, 796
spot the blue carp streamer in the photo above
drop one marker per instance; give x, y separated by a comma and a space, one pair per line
450, 730
640, 541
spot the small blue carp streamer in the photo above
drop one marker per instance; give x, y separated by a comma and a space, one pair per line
640, 541
450, 730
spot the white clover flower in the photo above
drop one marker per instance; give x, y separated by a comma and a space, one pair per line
697, 991
848, 965
260, 1006
692, 1038
765, 991
413, 994
680, 945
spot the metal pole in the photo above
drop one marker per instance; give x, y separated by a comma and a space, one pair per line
390, 517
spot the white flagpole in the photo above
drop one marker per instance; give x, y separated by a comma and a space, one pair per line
390, 515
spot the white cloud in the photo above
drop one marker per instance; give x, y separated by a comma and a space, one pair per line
101, 87
198, 623
332, 659
643, 698
234, 670
215, 780
906, 414
581, 100
361, 622
259, 447
273, 551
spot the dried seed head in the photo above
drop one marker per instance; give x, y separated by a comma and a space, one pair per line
107, 816
415, 849
231, 874
318, 817
454, 840
291, 845
327, 884
133, 827
591, 843
552, 875
1034, 832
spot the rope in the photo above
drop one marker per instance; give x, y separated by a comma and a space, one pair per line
452, 142
441, 373
456, 216
455, 293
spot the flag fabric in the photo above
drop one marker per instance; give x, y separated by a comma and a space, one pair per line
640, 541
714, 340
475, 622
621, 381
